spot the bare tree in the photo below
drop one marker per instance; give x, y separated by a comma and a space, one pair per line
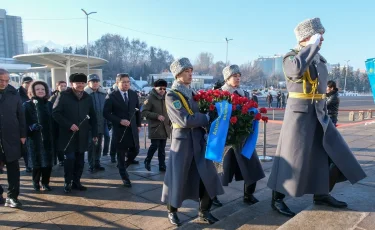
203, 63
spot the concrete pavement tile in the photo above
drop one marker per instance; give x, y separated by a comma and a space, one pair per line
120, 224
107, 195
153, 195
359, 197
129, 206
368, 222
322, 217
144, 173
140, 185
230, 195
43, 225
87, 219
189, 208
269, 221
155, 218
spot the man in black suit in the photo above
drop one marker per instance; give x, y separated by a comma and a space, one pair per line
122, 109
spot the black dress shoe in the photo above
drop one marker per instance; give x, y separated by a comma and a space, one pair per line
250, 199
329, 201
36, 186
67, 187
281, 208
127, 183
99, 168
13, 203
208, 217
216, 202
46, 187
91, 170
162, 168
2, 200
78, 186
28, 170
147, 165
173, 218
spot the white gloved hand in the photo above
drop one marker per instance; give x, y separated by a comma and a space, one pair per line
314, 40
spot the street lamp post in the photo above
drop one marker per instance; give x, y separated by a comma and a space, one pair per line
226, 59
346, 74
87, 42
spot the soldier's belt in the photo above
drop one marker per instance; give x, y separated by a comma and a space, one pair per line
307, 96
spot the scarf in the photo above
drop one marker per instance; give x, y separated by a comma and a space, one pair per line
187, 91
232, 89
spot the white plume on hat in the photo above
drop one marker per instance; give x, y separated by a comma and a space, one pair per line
180, 65
230, 70
308, 28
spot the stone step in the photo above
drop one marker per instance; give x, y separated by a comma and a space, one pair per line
322, 217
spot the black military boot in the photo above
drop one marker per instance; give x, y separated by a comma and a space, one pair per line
67, 187
207, 216
329, 200
248, 196
172, 216
78, 186
279, 205
216, 202
36, 178
148, 164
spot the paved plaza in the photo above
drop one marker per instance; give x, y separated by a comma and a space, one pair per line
107, 204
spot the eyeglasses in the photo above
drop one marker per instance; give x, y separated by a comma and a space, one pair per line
161, 88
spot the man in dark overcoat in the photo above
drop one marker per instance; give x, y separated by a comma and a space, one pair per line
12, 136
189, 174
159, 127
75, 114
121, 108
311, 155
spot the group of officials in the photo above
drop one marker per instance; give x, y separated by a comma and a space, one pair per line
311, 155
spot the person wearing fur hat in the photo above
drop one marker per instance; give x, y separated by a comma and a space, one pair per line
74, 112
235, 164
159, 127
98, 95
311, 156
189, 174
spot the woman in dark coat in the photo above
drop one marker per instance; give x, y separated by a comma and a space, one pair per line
333, 101
38, 113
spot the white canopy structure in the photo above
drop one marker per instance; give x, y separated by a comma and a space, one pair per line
61, 60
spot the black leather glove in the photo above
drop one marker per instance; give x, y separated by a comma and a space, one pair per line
36, 127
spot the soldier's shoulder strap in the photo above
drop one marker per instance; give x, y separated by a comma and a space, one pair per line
184, 102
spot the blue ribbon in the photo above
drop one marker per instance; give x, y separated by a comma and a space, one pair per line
370, 68
218, 132
251, 141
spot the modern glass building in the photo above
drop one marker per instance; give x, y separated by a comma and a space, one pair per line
11, 37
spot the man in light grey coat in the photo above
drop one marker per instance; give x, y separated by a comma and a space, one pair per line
311, 155
189, 175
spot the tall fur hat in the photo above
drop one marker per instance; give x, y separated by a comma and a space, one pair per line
180, 65
230, 70
308, 28
78, 77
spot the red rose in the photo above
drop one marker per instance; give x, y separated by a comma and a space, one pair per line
234, 107
244, 110
255, 105
265, 119
197, 97
258, 116
263, 110
212, 107
233, 120
209, 99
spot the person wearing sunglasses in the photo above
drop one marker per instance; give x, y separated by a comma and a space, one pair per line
159, 126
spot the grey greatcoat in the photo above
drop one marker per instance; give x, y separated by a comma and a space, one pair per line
187, 164
308, 138
235, 164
